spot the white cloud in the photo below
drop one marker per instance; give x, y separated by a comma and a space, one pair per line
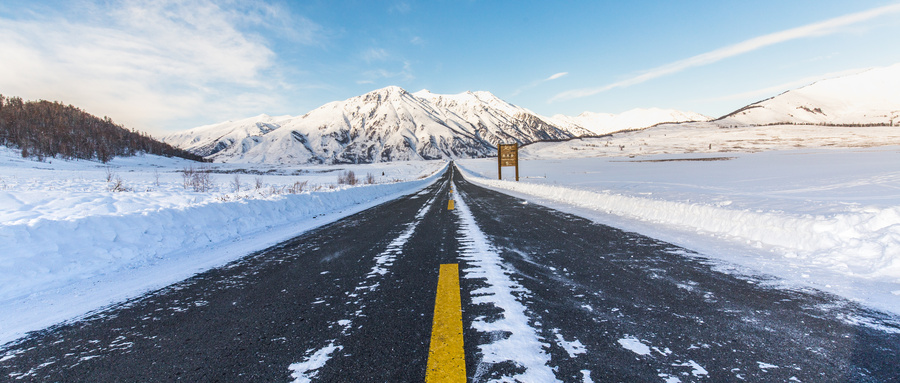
556, 76
822, 28
144, 63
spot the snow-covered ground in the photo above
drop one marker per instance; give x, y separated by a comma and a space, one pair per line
822, 218
69, 245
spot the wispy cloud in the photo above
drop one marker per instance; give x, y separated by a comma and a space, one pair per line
822, 28
375, 54
403, 74
402, 7
538, 82
144, 63
556, 76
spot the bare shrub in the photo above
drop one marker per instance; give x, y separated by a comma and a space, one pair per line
258, 182
202, 182
197, 179
110, 174
297, 187
370, 178
236, 183
186, 175
156, 177
118, 185
347, 178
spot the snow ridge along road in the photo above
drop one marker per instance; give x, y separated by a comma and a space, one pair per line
545, 295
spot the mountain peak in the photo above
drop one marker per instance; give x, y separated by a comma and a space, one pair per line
391, 89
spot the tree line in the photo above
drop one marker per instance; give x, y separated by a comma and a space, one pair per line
43, 129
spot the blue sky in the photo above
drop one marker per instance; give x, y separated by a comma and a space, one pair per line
162, 66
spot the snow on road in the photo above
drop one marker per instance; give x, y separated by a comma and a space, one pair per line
829, 218
520, 343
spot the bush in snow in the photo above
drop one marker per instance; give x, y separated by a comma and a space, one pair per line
347, 178
236, 183
197, 179
118, 185
297, 187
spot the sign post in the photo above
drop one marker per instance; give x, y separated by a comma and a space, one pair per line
507, 155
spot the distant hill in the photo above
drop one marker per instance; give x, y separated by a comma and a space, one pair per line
640, 118
871, 97
50, 129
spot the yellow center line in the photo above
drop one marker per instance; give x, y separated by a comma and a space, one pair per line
446, 360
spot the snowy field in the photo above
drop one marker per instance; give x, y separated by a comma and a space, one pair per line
822, 218
70, 245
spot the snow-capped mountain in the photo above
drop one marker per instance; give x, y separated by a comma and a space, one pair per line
640, 118
388, 124
868, 97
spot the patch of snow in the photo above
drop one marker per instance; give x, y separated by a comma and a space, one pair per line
696, 369
586, 376
573, 348
634, 345
305, 371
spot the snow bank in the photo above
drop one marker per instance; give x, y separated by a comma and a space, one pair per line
43, 258
864, 243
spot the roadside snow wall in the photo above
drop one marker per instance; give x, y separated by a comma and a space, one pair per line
48, 254
864, 244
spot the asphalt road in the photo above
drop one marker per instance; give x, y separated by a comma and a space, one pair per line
545, 296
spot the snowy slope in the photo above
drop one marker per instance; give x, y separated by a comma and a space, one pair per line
497, 120
640, 118
869, 97
388, 124
209, 139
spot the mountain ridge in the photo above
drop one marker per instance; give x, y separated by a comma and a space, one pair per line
387, 124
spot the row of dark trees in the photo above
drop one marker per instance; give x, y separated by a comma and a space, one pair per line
45, 129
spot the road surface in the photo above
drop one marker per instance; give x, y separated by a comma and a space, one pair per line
543, 296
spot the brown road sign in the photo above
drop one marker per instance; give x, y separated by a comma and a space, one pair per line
507, 155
